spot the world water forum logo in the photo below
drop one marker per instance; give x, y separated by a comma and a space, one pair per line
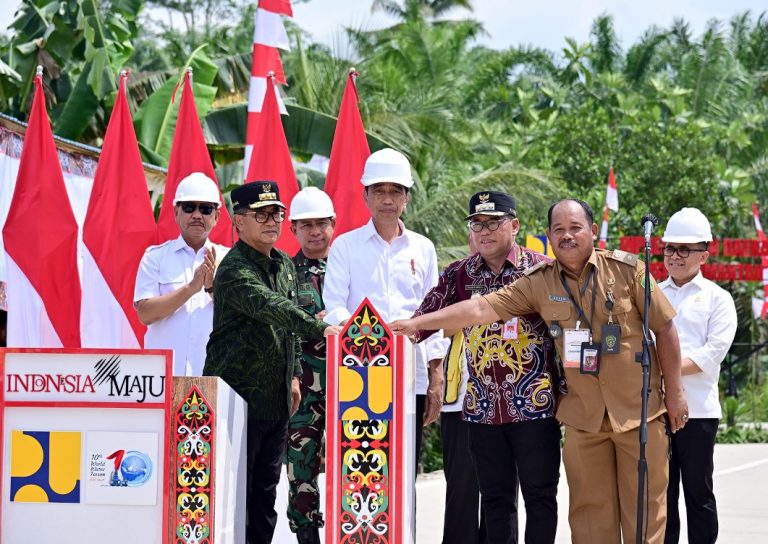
131, 468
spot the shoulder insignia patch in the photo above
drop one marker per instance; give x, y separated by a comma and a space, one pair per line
624, 257
535, 268
640, 277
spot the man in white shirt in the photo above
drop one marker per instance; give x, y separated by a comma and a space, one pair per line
706, 325
174, 284
392, 266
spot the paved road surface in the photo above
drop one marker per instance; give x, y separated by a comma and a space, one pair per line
741, 487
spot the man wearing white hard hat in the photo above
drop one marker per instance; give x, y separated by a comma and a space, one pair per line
706, 325
312, 222
392, 266
174, 285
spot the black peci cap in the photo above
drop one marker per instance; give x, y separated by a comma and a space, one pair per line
256, 194
491, 203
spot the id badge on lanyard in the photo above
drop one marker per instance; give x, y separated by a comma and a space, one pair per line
580, 351
572, 341
590, 358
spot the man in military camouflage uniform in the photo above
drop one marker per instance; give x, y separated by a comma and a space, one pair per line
312, 222
254, 345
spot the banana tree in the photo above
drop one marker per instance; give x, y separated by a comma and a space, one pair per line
81, 45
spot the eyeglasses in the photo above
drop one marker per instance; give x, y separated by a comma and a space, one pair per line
491, 224
263, 217
190, 207
682, 251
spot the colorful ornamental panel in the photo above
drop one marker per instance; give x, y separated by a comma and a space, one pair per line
368, 486
193, 462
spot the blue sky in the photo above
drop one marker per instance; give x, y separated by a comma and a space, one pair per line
542, 23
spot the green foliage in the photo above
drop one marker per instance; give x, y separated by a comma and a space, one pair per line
683, 119
732, 409
226, 25
81, 46
432, 449
155, 119
743, 435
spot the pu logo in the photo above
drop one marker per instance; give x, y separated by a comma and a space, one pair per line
365, 392
45, 466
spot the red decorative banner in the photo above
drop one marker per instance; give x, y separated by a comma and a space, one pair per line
731, 247
719, 271
636, 244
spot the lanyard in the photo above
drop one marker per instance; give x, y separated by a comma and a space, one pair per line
593, 280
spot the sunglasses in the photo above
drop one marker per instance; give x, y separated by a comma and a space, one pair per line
190, 207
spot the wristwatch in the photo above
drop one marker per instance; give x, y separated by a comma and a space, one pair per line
208, 290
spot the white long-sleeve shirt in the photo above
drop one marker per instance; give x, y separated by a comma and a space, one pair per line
394, 276
164, 269
706, 325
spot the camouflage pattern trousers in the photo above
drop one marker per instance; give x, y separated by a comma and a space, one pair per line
305, 438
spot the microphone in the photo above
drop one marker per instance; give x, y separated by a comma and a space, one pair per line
649, 221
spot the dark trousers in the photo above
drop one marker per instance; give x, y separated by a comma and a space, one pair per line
462, 493
266, 449
420, 401
693, 449
530, 451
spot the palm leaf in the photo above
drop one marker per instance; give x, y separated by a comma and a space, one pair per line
308, 132
440, 214
155, 120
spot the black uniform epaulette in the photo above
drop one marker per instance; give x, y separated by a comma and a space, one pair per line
535, 267
624, 257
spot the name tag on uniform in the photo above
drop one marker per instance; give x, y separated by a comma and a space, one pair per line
509, 331
306, 297
572, 341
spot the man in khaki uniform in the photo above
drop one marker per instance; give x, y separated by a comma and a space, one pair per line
592, 301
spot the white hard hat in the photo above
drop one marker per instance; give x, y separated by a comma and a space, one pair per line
311, 203
197, 187
687, 226
387, 166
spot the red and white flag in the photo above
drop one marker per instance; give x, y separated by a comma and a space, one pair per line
763, 309
269, 35
348, 155
40, 237
189, 154
271, 161
119, 226
612, 204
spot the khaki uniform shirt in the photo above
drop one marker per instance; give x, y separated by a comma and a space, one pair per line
617, 387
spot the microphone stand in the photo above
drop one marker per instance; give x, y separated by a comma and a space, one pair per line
644, 358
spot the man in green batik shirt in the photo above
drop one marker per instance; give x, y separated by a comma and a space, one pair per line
254, 345
312, 222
